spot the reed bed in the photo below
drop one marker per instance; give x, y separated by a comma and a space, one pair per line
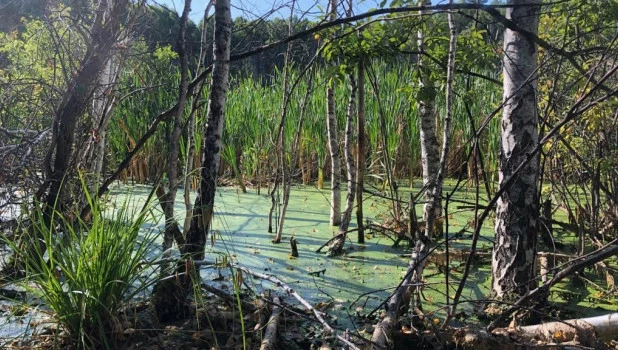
253, 114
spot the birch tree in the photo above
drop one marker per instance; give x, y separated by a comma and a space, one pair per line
333, 144
102, 106
170, 294
285, 168
360, 150
189, 162
337, 245
429, 143
517, 211
211, 151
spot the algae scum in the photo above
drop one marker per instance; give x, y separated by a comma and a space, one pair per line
347, 287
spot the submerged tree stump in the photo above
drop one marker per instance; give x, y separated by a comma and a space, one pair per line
294, 247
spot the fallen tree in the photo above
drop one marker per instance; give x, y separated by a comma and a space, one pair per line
584, 331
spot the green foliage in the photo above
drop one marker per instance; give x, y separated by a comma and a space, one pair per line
87, 273
35, 69
165, 54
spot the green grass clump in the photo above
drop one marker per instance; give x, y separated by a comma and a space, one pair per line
88, 274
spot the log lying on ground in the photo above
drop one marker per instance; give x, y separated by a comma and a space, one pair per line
583, 331
577, 333
270, 335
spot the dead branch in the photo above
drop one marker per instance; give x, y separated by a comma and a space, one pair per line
385, 328
305, 303
576, 264
270, 336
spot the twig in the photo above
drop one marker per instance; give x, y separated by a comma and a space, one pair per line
305, 303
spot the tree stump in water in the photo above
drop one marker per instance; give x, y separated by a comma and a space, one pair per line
294, 247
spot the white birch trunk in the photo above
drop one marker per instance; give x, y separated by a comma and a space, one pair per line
429, 143
430, 165
336, 247
349, 159
517, 211
191, 129
103, 103
286, 177
333, 145
446, 132
360, 151
450, 75
170, 295
604, 327
335, 161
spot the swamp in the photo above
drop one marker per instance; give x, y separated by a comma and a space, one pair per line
308, 174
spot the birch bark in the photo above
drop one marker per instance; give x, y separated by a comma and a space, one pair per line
517, 211
169, 199
336, 246
211, 150
189, 162
360, 151
102, 106
429, 143
333, 145
286, 176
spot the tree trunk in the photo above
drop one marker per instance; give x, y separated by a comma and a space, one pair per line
446, 135
333, 147
270, 335
273, 201
396, 305
333, 144
287, 181
171, 226
286, 169
336, 246
102, 106
189, 163
429, 143
586, 331
360, 152
517, 211
170, 294
104, 33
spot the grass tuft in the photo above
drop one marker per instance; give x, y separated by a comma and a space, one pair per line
88, 272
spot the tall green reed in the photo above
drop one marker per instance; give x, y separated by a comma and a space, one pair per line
253, 112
